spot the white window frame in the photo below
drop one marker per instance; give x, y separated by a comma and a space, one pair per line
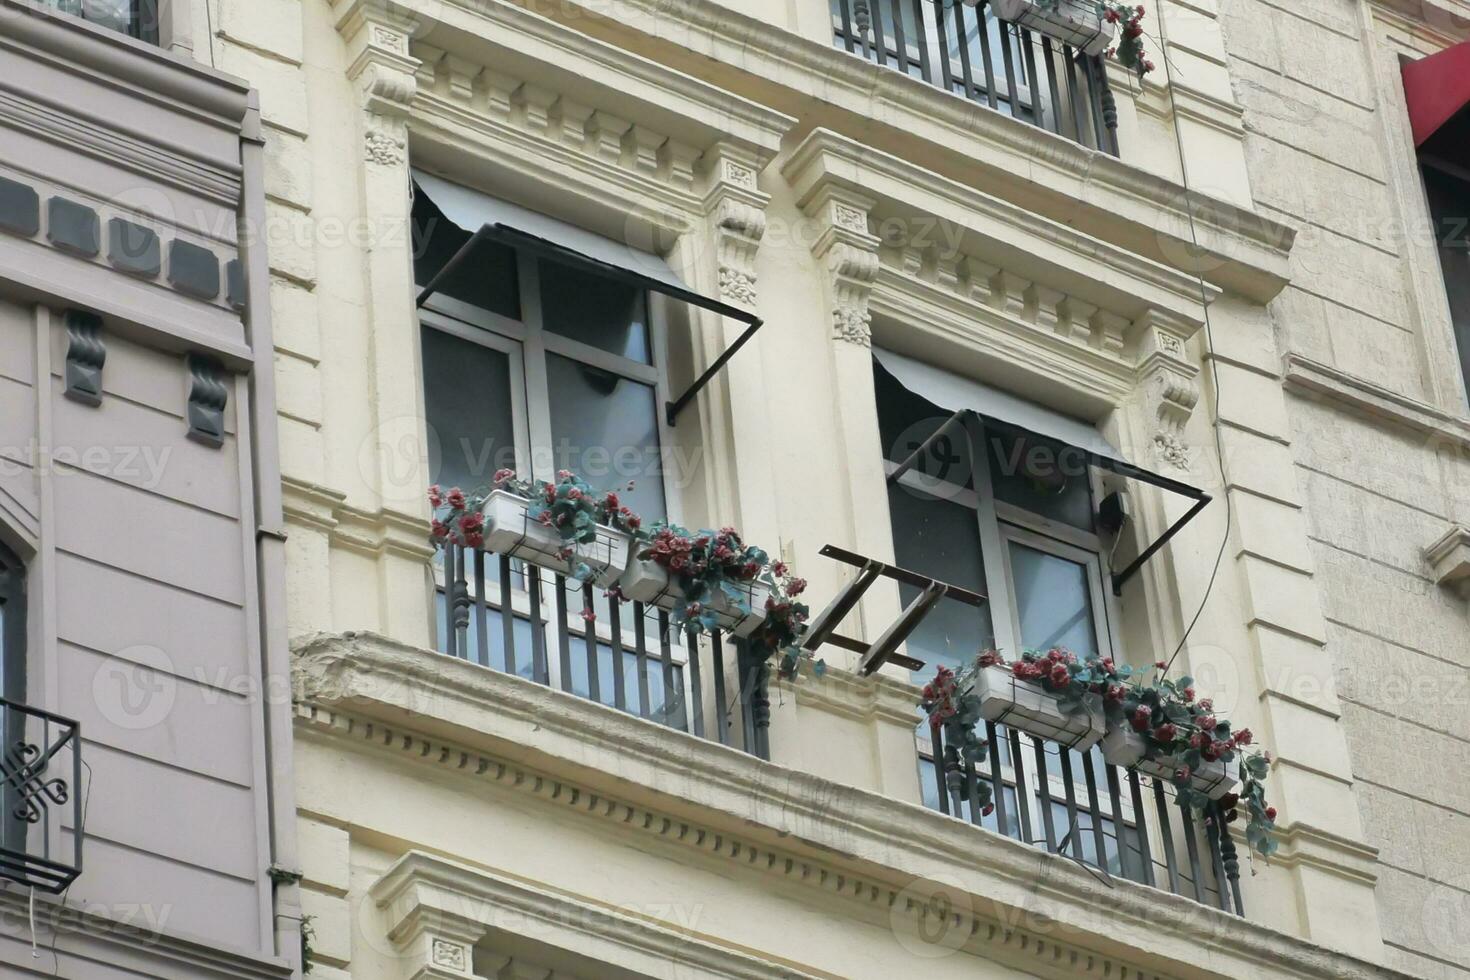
527, 342
998, 524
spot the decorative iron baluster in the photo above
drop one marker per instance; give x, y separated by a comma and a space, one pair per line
998, 786
1023, 807
589, 634
696, 683
936, 741
482, 612
640, 642
507, 616
461, 606
615, 625
722, 706
1166, 832
1145, 852
1231, 862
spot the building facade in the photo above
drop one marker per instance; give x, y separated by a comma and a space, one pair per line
148, 809
1160, 370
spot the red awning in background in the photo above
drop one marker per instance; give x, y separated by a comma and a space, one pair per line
1437, 87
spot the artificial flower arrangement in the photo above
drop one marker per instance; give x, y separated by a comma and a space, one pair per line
1070, 19
1179, 734
713, 580
566, 524
708, 580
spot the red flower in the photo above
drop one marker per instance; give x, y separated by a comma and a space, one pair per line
1141, 719
436, 496
589, 615
1271, 813
1060, 675
471, 523
1115, 692
1189, 694
1161, 665
633, 522
1207, 723
456, 498
564, 474
1211, 751
440, 530
1166, 732
1206, 705
610, 501
989, 809
779, 569
1243, 737
504, 476
1229, 801
1182, 774
990, 658
1199, 740
476, 540
796, 587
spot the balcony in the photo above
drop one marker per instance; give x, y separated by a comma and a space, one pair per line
509, 615
40, 798
974, 54
1114, 822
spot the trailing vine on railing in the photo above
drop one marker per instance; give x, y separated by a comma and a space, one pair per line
1180, 732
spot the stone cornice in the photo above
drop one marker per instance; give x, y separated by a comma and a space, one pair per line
1361, 397
369, 532
856, 847
422, 892
1238, 248
875, 698
1008, 236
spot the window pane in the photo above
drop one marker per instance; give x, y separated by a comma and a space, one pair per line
486, 279
1449, 202
1041, 476
594, 310
467, 401
1053, 600
605, 428
938, 538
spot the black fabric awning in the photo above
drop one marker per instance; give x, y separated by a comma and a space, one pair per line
962, 396
487, 218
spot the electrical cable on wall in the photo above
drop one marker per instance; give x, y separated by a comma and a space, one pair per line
1170, 68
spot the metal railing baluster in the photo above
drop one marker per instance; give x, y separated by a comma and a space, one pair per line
589, 633
696, 683
1074, 829
1043, 780
722, 707
1094, 807
937, 761
1191, 847
615, 625
507, 616
1166, 834
1023, 806
672, 695
563, 641
998, 785
540, 668
1145, 852
640, 644
482, 612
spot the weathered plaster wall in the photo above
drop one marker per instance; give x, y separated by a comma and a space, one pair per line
1378, 428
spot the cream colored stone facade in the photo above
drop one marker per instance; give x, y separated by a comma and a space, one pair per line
457, 822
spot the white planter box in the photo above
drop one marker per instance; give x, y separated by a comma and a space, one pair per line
1074, 21
1027, 707
646, 582
508, 531
1126, 748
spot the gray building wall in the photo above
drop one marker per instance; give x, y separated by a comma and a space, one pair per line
1381, 430
152, 550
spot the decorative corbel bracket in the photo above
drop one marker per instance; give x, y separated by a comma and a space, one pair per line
1167, 382
737, 213
208, 396
849, 251
377, 35
434, 945
85, 356
1449, 559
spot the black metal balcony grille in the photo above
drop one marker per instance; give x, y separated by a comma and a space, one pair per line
509, 615
41, 827
972, 53
1113, 821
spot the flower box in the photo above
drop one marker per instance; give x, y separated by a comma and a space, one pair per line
1075, 22
648, 582
1125, 748
510, 531
1027, 707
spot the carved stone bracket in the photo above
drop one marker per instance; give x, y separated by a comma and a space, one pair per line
1167, 382
737, 213
434, 945
849, 252
1449, 557
380, 65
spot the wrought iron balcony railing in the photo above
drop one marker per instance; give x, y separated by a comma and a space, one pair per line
507, 614
972, 53
135, 18
1115, 822
41, 823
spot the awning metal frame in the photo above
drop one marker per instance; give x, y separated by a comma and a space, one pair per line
1127, 470
559, 253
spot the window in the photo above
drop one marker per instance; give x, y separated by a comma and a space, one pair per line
1008, 514
12, 683
135, 18
1448, 190
536, 366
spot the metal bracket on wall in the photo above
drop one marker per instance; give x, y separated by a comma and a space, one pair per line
85, 356
884, 649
